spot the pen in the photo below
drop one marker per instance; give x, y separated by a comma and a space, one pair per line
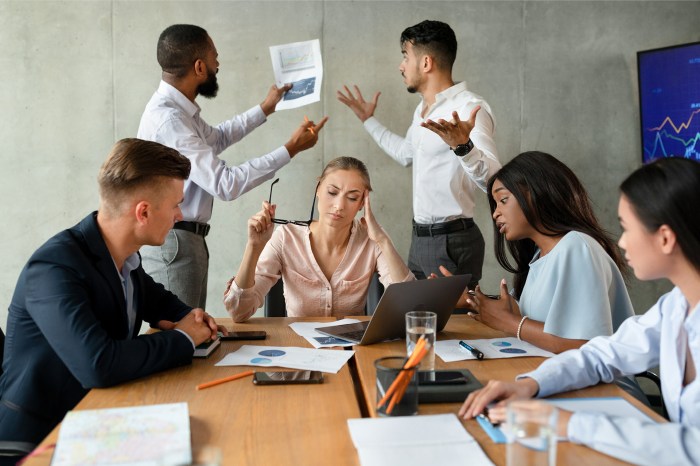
311, 128
225, 379
479, 355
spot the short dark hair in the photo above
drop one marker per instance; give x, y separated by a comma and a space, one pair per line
179, 46
667, 192
554, 202
434, 38
133, 164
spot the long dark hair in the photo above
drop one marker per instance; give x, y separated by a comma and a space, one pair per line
554, 202
667, 192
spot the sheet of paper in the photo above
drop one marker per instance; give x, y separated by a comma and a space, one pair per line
612, 406
323, 360
144, 435
493, 348
415, 440
319, 340
300, 64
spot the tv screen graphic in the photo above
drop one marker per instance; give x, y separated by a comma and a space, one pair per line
669, 99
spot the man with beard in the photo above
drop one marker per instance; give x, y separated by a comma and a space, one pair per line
188, 59
450, 143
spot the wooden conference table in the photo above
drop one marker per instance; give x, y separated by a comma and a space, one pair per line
307, 424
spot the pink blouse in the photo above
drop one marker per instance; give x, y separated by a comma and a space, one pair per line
307, 292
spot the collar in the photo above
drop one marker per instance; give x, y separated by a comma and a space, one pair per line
172, 93
451, 92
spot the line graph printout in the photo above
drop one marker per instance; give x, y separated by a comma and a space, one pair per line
300, 64
669, 94
144, 435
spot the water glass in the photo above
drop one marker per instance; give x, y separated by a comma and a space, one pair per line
388, 369
530, 430
422, 324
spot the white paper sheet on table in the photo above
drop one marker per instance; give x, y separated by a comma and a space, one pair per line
493, 348
319, 340
323, 360
415, 441
152, 435
300, 64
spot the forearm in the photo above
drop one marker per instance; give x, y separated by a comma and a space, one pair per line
245, 277
398, 271
392, 144
533, 332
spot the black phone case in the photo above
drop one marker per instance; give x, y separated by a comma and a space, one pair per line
449, 393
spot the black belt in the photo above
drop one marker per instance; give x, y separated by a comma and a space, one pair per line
197, 228
442, 228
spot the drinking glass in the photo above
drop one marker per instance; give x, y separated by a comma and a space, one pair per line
421, 324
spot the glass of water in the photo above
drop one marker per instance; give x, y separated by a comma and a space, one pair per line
421, 324
531, 432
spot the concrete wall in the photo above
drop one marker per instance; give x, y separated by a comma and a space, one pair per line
560, 77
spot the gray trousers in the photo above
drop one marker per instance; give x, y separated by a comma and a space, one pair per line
181, 264
459, 252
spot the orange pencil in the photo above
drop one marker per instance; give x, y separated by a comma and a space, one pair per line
311, 128
225, 379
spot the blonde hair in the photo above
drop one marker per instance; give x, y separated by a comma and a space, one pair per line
347, 163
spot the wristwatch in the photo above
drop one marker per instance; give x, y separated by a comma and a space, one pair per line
463, 149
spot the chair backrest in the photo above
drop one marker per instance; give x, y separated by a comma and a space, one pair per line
275, 306
2, 349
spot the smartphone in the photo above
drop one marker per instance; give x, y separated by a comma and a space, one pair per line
441, 378
247, 335
287, 377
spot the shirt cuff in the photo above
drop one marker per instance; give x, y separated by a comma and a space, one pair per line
257, 115
371, 124
281, 156
188, 337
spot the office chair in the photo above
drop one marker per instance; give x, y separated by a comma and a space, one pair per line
11, 451
275, 305
656, 400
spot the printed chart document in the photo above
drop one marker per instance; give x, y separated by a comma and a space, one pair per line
299, 64
288, 356
415, 441
152, 435
611, 406
319, 340
493, 348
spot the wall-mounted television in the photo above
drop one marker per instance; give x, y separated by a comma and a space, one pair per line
669, 100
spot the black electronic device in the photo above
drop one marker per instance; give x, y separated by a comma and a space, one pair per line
287, 377
246, 335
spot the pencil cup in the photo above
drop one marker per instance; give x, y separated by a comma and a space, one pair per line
421, 324
403, 399
530, 430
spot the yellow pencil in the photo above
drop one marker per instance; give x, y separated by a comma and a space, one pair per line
311, 128
225, 379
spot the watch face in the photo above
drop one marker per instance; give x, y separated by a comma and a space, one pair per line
463, 149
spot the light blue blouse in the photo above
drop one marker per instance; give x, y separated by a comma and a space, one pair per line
576, 290
663, 336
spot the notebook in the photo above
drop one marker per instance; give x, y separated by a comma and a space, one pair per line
438, 295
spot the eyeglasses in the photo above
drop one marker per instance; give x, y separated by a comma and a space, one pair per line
304, 223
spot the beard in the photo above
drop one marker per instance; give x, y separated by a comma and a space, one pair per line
412, 89
210, 87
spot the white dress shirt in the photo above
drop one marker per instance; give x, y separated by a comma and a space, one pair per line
444, 185
173, 120
663, 336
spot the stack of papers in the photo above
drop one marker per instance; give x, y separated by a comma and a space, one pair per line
144, 435
415, 441
288, 356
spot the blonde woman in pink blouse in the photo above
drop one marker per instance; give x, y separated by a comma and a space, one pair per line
326, 264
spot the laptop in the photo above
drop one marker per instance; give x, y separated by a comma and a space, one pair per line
438, 295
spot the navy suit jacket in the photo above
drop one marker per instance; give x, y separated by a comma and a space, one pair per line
67, 332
